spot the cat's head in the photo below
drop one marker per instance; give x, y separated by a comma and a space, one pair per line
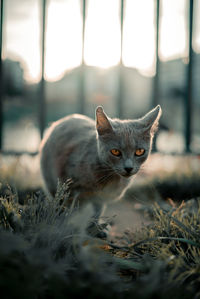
124, 145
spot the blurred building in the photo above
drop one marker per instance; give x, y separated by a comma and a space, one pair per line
101, 88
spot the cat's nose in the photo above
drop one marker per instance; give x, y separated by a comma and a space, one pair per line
128, 169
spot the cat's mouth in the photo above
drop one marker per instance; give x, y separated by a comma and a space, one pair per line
127, 175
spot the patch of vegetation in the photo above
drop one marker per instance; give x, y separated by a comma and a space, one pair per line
173, 185
47, 251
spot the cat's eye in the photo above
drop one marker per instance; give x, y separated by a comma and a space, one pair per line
116, 152
139, 152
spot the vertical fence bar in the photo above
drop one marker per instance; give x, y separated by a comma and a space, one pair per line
189, 81
156, 78
42, 108
1, 76
82, 100
121, 86
156, 87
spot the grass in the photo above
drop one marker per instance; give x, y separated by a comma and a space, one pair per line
48, 251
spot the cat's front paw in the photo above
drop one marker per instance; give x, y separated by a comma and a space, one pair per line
99, 230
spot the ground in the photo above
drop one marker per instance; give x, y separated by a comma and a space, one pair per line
152, 251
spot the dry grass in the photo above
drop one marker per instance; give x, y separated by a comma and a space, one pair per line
47, 250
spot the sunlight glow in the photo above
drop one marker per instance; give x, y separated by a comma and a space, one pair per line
196, 40
21, 36
139, 35
173, 29
102, 34
63, 38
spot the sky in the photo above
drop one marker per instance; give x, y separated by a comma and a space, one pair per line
22, 37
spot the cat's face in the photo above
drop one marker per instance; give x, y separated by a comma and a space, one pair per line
124, 153
125, 145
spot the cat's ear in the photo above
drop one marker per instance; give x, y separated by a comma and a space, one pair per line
150, 121
102, 123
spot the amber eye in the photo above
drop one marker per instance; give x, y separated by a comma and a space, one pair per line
139, 152
116, 152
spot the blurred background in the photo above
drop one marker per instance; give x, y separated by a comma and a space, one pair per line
66, 56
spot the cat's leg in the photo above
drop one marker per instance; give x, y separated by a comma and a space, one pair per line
104, 226
99, 209
97, 227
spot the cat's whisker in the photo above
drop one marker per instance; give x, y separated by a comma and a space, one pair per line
108, 179
103, 170
104, 179
146, 166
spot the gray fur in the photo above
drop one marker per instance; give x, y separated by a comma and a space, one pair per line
77, 149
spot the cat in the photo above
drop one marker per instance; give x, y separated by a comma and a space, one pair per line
100, 159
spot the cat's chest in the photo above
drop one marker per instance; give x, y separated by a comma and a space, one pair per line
113, 187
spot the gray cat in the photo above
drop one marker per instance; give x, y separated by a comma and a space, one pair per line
100, 159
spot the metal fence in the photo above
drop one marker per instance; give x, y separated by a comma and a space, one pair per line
188, 95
